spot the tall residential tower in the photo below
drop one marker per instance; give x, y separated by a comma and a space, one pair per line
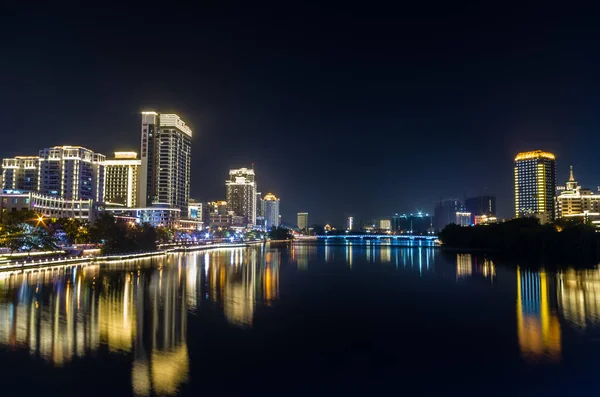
241, 193
271, 203
165, 160
535, 185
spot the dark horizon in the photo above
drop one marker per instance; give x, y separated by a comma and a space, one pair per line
343, 110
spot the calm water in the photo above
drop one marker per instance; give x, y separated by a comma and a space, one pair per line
292, 320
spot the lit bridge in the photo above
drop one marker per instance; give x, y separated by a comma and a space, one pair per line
403, 237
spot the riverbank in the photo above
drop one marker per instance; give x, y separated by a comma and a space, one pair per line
67, 261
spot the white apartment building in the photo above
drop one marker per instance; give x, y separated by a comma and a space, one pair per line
71, 172
123, 179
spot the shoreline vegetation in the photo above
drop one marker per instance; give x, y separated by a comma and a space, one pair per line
28, 236
562, 242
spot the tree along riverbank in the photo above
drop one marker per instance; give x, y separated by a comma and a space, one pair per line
565, 241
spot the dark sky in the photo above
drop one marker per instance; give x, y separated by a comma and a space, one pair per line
353, 108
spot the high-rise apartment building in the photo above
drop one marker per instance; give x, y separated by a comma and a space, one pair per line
122, 179
20, 173
535, 185
350, 223
445, 211
481, 205
71, 172
165, 161
303, 220
271, 203
241, 193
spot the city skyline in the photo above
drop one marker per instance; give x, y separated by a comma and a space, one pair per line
394, 108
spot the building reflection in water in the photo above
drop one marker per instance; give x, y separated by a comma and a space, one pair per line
468, 265
386, 253
579, 297
464, 266
237, 284
302, 253
68, 312
538, 327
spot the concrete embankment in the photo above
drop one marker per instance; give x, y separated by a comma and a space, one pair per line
68, 261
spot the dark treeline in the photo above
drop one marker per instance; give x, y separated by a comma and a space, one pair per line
562, 241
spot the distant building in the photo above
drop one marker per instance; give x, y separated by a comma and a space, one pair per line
259, 206
417, 223
241, 193
385, 224
197, 211
535, 185
350, 223
159, 215
165, 161
20, 173
220, 220
445, 213
481, 205
271, 203
217, 207
484, 219
303, 220
576, 202
72, 173
463, 218
122, 179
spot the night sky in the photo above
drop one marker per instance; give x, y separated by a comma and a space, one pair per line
348, 109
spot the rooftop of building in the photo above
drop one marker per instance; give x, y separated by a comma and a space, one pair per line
270, 197
535, 154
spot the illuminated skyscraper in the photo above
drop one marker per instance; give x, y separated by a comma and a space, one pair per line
350, 223
535, 185
71, 172
271, 204
241, 193
303, 220
122, 179
165, 160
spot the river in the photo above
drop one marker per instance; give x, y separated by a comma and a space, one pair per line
291, 320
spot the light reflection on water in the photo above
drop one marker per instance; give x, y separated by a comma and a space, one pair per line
140, 309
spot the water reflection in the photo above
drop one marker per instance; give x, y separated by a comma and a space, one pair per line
138, 309
579, 297
238, 284
538, 327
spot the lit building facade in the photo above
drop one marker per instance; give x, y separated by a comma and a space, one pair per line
350, 223
241, 193
385, 224
165, 161
71, 172
576, 202
303, 220
463, 218
122, 179
20, 173
49, 206
535, 185
271, 203
157, 215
